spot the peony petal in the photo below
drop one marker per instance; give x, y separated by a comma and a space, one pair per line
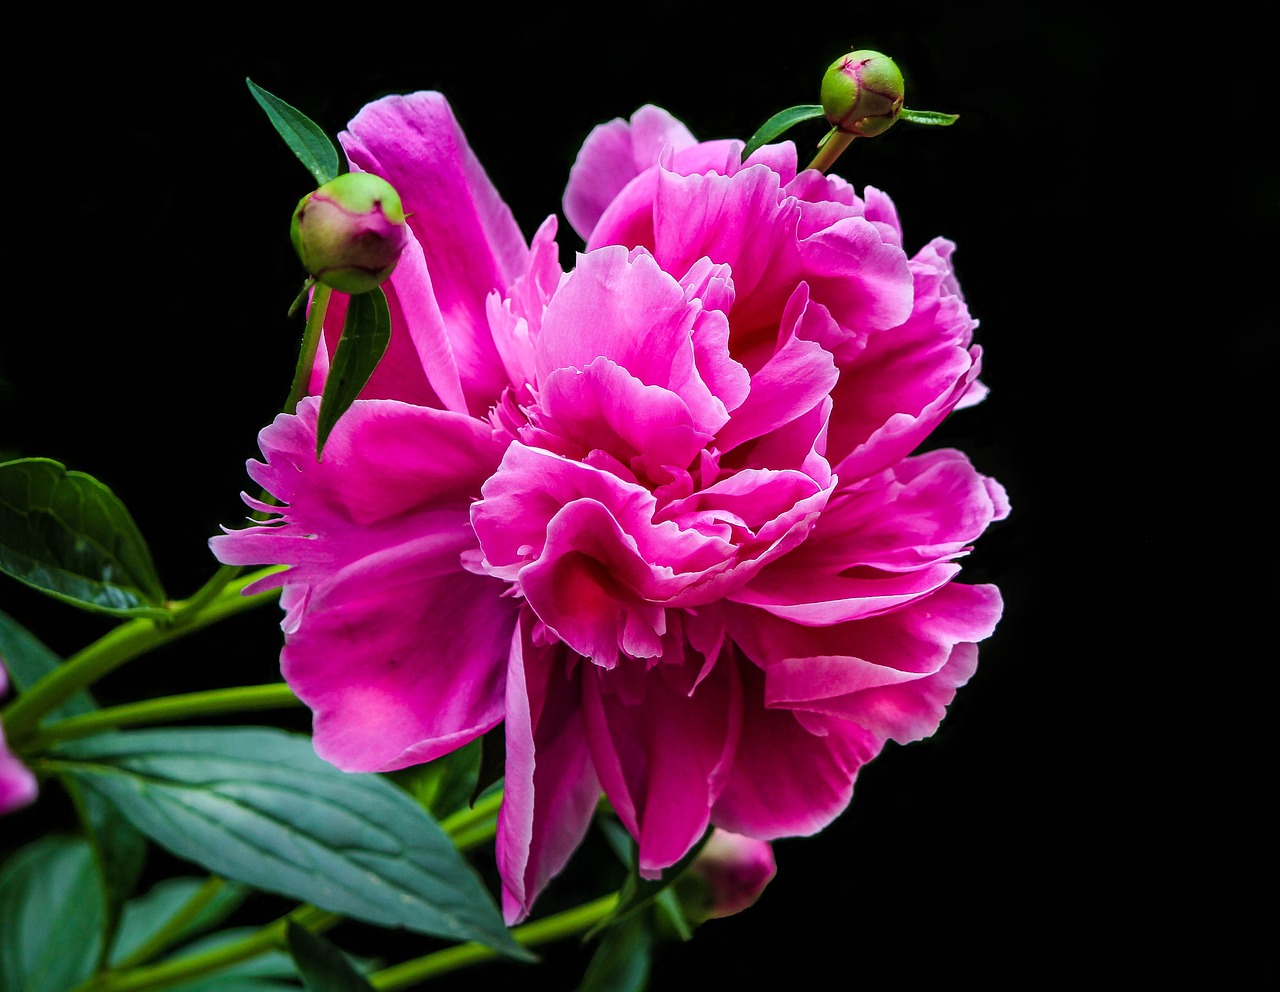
402, 655
551, 790
787, 781
663, 758
470, 241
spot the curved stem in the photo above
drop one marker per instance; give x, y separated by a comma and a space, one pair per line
580, 919
310, 343
831, 148
122, 644
168, 974
180, 707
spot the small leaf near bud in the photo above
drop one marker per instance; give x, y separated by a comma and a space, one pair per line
862, 93
349, 233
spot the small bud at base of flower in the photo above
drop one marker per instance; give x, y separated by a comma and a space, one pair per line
862, 93
733, 871
350, 232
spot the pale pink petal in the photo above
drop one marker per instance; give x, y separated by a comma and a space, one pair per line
613, 155
18, 785
550, 788
662, 749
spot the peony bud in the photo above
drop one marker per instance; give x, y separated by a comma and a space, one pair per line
349, 233
727, 876
17, 784
862, 93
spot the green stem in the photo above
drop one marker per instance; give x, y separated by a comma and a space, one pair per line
831, 148
235, 700
122, 644
310, 343
471, 827
167, 974
174, 926
577, 920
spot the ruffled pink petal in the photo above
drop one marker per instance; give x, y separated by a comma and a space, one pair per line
550, 788
906, 381
613, 155
883, 543
788, 781
893, 674
622, 306
470, 241
662, 748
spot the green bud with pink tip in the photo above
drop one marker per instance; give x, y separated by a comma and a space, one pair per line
349, 233
862, 93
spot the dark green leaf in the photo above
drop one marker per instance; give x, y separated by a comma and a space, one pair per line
932, 117
256, 805
322, 966
445, 785
621, 962
307, 141
783, 120
145, 915
28, 661
51, 916
67, 534
272, 965
365, 334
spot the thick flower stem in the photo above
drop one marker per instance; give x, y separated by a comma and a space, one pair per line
580, 919
123, 644
310, 344
181, 707
833, 145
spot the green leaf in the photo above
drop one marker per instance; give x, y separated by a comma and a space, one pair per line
144, 916
931, 117
445, 785
365, 334
777, 124
67, 534
322, 966
28, 661
256, 805
51, 916
119, 852
622, 961
307, 141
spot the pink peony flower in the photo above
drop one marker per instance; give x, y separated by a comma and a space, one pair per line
17, 784
658, 514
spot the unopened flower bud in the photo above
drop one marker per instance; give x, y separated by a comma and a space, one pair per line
349, 233
862, 93
727, 876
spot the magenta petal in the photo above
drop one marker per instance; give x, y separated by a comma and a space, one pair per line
787, 780
470, 241
663, 756
892, 674
550, 788
402, 656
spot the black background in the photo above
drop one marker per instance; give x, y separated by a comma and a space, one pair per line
147, 342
